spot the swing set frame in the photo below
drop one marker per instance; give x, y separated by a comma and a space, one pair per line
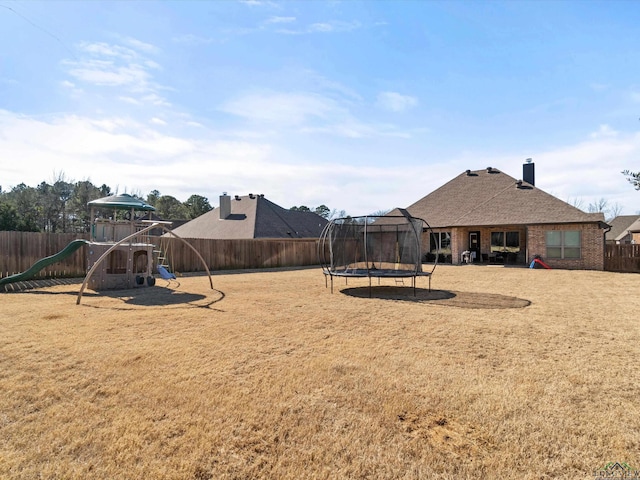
129, 240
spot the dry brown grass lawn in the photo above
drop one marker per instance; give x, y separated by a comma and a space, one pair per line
498, 373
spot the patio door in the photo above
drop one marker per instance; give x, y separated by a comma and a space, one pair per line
474, 245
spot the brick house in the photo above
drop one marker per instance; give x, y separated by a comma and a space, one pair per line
487, 216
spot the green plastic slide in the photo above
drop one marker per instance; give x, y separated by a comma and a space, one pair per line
45, 262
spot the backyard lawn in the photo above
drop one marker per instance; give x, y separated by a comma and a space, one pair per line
497, 373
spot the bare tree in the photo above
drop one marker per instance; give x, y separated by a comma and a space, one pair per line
600, 205
576, 202
380, 213
615, 210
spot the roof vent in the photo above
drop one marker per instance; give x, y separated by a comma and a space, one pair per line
519, 184
468, 172
237, 197
489, 169
251, 195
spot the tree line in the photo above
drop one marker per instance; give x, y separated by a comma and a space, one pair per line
61, 206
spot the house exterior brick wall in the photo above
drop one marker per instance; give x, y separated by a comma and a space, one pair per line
532, 242
592, 251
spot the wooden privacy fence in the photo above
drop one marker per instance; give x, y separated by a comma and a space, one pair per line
20, 250
238, 254
622, 258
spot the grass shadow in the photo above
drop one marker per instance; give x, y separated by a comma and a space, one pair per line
448, 298
162, 297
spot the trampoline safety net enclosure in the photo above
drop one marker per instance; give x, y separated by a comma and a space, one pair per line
373, 246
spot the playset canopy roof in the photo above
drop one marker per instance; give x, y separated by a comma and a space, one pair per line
124, 201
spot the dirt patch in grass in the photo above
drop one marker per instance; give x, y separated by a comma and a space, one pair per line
495, 373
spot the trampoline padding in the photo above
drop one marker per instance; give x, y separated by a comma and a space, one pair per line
382, 273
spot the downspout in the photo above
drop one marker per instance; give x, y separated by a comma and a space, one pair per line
607, 228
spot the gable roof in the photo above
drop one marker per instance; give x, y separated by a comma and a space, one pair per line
253, 216
633, 228
620, 225
490, 197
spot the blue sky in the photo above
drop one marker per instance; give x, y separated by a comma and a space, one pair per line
361, 106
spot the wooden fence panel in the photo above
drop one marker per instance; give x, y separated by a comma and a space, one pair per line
239, 254
20, 250
622, 258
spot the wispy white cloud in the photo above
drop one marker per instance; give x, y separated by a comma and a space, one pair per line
311, 80
259, 3
284, 108
353, 128
396, 102
193, 40
309, 113
106, 50
117, 66
71, 89
130, 100
140, 45
603, 132
334, 26
107, 73
280, 20
155, 99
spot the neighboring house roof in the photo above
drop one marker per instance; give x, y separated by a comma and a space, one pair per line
253, 216
620, 226
633, 228
489, 197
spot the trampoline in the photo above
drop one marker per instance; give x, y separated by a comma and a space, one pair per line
374, 246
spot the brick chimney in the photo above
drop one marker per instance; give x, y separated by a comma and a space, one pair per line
529, 172
225, 206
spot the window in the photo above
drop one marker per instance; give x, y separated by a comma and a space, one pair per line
563, 244
440, 241
505, 242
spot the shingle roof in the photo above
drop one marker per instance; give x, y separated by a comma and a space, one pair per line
620, 225
254, 217
633, 228
490, 197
